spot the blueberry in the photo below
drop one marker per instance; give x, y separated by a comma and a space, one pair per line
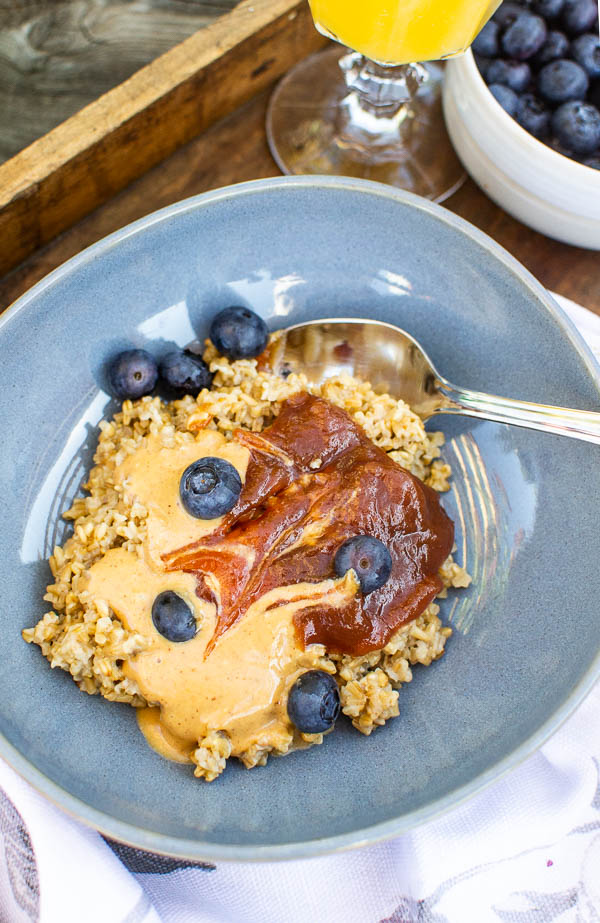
506, 14
549, 9
172, 617
486, 42
577, 126
132, 374
524, 36
239, 333
594, 94
368, 557
561, 81
483, 64
559, 148
513, 74
209, 487
185, 372
556, 46
507, 98
593, 162
314, 702
579, 16
533, 115
586, 51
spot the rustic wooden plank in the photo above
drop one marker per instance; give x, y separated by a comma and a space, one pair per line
57, 56
234, 150
97, 152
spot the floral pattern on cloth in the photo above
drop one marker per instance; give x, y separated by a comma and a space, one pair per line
528, 905
20, 892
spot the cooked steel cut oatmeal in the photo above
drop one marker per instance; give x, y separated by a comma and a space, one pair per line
223, 693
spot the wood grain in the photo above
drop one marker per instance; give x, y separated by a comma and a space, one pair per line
57, 56
87, 159
234, 150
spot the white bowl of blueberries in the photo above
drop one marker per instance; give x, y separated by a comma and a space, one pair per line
523, 111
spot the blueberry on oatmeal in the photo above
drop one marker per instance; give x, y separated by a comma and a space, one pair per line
209, 488
314, 702
239, 333
368, 558
172, 617
185, 372
283, 636
132, 374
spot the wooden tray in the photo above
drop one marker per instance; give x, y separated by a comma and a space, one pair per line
82, 163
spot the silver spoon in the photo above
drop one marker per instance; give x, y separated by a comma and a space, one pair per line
394, 362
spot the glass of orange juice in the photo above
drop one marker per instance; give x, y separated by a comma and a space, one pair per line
373, 108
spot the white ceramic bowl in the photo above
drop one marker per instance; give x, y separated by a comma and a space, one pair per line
543, 189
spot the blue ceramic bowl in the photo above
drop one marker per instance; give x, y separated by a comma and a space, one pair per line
527, 506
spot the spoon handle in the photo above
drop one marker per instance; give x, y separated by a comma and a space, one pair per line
579, 424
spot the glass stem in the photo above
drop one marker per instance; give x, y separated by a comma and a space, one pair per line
380, 96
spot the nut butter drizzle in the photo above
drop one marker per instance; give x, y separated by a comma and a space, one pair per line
314, 479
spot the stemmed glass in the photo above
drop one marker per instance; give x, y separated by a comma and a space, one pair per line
367, 112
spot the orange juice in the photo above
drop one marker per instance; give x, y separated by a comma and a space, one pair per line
401, 31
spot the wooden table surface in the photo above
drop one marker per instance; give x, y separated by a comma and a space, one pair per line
235, 150
56, 56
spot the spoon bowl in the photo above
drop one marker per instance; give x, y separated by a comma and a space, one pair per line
394, 362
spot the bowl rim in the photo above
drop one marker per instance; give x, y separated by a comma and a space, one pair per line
201, 851
546, 157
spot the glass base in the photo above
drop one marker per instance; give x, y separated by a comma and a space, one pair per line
315, 124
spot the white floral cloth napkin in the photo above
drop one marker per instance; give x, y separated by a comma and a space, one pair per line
526, 850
